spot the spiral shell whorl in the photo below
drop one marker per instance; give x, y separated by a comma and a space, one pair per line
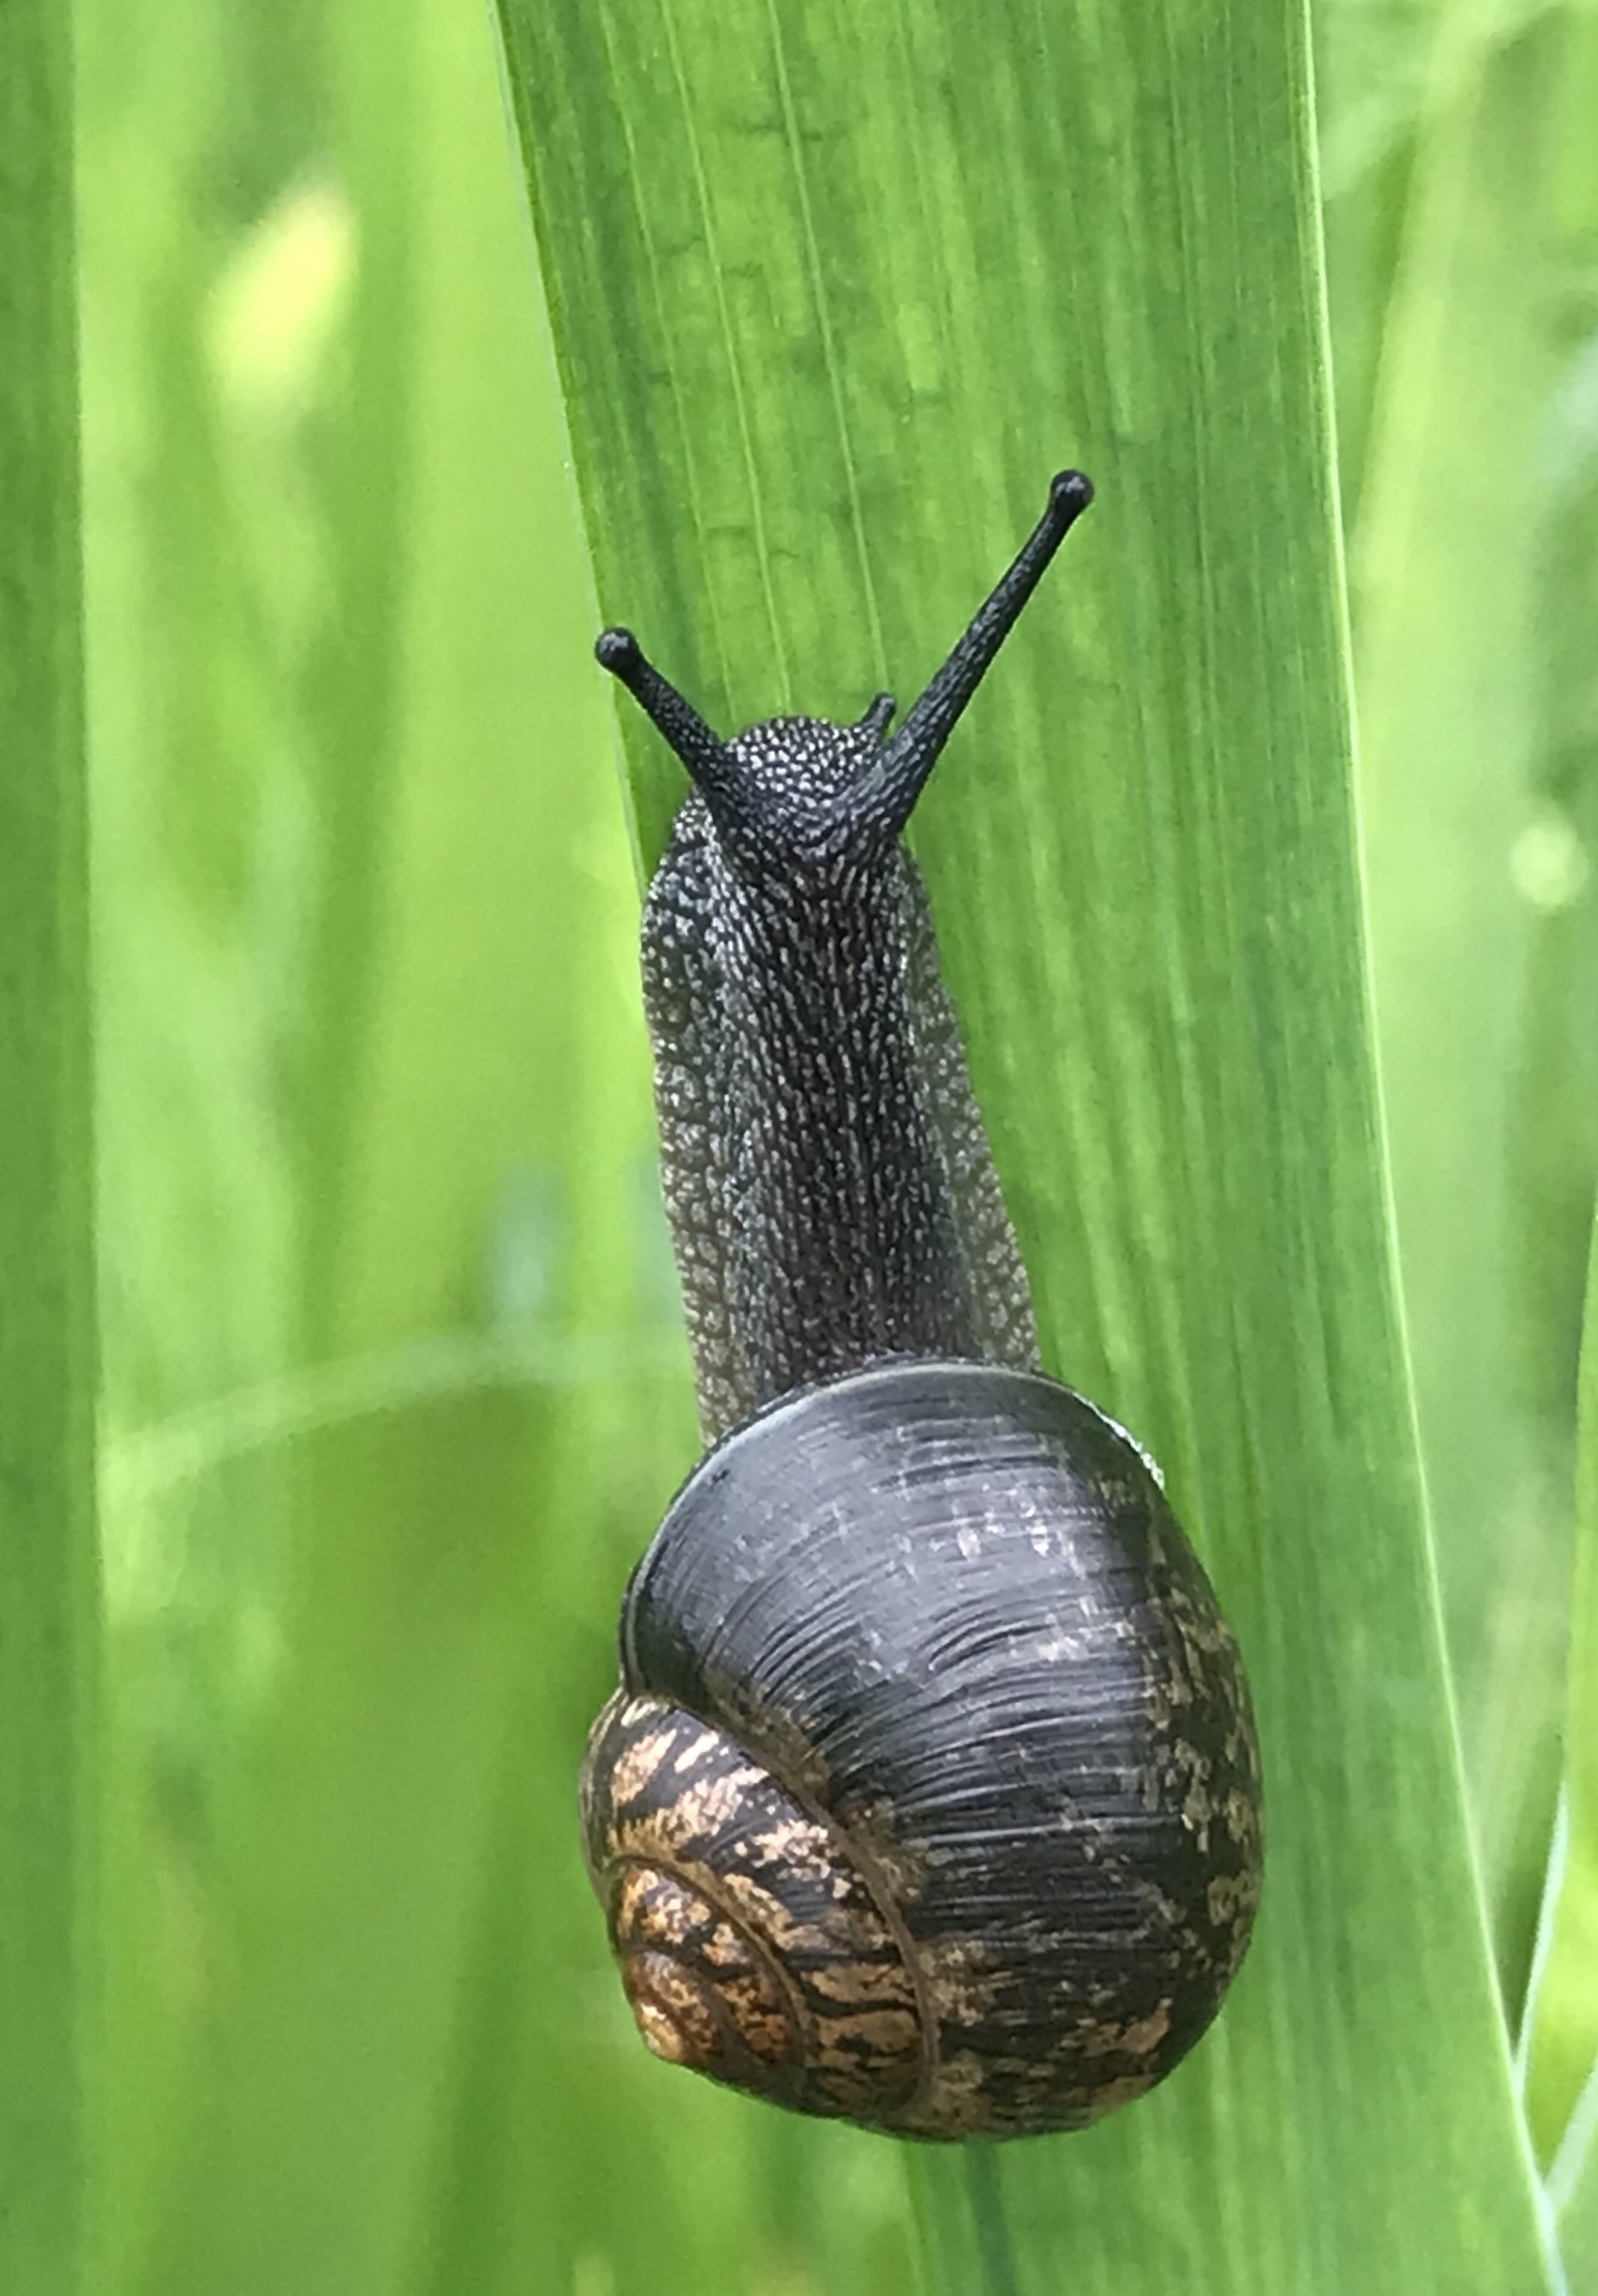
750, 1948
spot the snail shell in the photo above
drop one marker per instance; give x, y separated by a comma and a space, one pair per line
931, 1797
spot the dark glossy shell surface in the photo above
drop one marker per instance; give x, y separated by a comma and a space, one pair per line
948, 1606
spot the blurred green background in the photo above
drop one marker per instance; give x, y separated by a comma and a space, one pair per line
394, 1382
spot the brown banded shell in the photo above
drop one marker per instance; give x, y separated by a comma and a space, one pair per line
930, 1799
749, 1948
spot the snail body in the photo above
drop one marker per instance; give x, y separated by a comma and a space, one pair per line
930, 1797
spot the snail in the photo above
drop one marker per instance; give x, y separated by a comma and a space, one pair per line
930, 1797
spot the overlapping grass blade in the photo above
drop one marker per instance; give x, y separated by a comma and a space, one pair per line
831, 296
50, 1927
1575, 2192
1562, 2043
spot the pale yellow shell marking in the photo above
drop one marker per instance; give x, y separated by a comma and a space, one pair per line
637, 1763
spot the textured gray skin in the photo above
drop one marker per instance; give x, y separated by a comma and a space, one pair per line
828, 1180
832, 1197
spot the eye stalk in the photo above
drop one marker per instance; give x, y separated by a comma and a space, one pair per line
704, 754
884, 797
901, 774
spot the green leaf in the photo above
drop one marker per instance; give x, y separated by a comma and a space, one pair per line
1573, 2190
1562, 2055
49, 1592
831, 297
1561, 2043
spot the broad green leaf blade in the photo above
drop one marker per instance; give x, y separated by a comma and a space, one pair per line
831, 297
49, 1590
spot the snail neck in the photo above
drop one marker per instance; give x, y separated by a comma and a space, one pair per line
831, 1196
847, 1243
